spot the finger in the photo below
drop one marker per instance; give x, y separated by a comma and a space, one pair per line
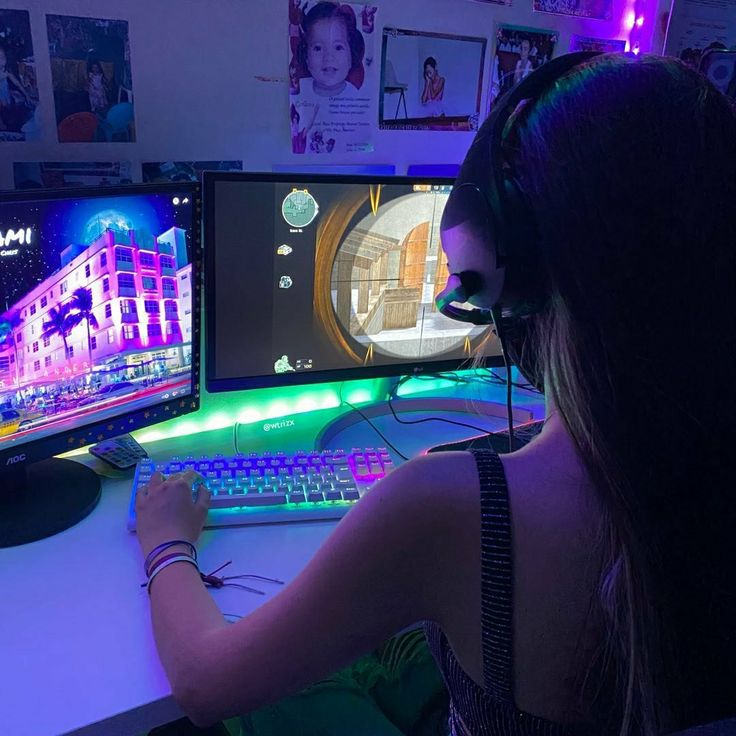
192, 477
203, 498
140, 494
156, 479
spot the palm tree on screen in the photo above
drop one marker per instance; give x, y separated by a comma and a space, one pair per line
58, 324
82, 304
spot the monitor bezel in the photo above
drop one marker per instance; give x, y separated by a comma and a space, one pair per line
34, 450
214, 384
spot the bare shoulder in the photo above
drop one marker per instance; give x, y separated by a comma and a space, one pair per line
448, 476
431, 500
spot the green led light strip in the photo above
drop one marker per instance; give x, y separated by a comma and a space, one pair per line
221, 410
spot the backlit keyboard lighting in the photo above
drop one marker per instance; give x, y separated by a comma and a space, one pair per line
276, 487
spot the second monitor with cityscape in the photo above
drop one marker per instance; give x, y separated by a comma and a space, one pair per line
96, 311
321, 278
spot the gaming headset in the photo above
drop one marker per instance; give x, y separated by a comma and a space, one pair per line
487, 229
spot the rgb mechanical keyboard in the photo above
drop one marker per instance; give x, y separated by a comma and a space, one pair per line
276, 487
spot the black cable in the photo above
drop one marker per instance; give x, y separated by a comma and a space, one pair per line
372, 425
525, 386
492, 378
392, 396
498, 323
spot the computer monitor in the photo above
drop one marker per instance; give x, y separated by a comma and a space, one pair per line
99, 295
323, 278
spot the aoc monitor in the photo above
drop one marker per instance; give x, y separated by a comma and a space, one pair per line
99, 296
322, 278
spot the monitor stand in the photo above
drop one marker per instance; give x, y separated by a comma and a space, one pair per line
475, 412
44, 498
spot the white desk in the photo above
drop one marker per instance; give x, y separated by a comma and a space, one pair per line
76, 648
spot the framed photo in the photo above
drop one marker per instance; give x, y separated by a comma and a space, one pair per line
93, 85
18, 86
519, 51
430, 81
605, 45
156, 171
595, 9
332, 77
59, 174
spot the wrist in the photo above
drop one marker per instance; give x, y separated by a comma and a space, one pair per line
174, 544
180, 549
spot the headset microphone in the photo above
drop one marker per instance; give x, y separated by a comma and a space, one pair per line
460, 287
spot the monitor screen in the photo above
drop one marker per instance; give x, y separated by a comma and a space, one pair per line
326, 278
97, 299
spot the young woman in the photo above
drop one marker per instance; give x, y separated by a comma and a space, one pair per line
434, 88
583, 584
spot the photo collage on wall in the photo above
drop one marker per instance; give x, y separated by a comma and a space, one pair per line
428, 81
348, 77
93, 100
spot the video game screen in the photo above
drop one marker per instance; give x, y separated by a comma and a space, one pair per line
95, 309
311, 276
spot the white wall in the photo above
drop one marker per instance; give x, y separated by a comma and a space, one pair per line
209, 77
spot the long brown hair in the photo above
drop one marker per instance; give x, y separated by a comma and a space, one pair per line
629, 168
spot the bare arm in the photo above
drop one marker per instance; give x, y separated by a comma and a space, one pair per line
440, 89
385, 567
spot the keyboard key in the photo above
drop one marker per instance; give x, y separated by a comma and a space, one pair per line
265, 499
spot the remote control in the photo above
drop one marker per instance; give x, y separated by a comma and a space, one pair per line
121, 452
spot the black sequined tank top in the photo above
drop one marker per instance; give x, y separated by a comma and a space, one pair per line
490, 711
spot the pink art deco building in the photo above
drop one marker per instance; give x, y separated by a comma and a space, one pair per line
141, 302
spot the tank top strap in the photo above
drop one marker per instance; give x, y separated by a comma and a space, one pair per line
496, 576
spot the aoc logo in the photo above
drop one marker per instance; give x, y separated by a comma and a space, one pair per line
16, 459
282, 424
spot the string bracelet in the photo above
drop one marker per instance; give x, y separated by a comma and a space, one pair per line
211, 580
169, 560
163, 547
